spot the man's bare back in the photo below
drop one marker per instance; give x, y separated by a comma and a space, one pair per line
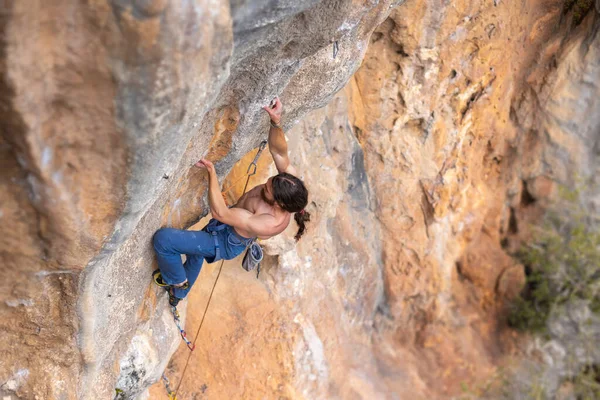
254, 203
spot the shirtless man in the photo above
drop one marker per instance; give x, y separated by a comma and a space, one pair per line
263, 212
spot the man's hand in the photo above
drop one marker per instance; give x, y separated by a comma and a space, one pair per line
275, 111
215, 199
207, 165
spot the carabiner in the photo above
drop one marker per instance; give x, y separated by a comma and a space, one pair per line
254, 162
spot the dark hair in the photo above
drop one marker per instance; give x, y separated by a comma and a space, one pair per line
291, 195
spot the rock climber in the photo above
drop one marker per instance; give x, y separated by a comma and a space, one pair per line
262, 212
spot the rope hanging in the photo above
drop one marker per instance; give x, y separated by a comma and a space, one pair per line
173, 394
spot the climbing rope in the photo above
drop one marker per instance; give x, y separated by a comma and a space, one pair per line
173, 395
198, 332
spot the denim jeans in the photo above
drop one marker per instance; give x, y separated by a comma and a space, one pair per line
197, 246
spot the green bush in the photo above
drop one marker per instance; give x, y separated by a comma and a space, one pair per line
562, 264
580, 9
586, 384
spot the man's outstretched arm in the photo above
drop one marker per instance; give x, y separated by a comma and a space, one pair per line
277, 143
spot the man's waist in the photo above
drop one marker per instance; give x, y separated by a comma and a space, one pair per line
216, 226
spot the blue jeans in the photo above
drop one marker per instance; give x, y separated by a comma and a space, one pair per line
198, 246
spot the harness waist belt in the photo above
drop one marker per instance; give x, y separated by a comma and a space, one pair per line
217, 226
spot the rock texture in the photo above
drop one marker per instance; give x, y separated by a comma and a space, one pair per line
470, 96
105, 105
423, 172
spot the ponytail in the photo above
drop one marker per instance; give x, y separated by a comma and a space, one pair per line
292, 196
301, 217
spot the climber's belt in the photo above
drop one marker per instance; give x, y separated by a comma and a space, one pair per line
214, 227
217, 248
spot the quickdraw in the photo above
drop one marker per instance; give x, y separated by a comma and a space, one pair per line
252, 167
254, 162
172, 395
176, 316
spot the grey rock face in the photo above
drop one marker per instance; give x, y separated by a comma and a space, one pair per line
108, 104
288, 49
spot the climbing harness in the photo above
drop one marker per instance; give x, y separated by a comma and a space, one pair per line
214, 228
192, 345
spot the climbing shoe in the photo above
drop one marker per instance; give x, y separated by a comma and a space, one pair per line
157, 277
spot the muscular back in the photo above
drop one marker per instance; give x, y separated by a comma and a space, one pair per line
253, 202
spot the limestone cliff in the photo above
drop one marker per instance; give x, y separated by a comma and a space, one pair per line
105, 105
424, 175
423, 172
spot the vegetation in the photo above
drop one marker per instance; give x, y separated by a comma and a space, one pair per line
562, 265
580, 9
586, 384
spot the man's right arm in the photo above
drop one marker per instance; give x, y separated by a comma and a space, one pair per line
277, 142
